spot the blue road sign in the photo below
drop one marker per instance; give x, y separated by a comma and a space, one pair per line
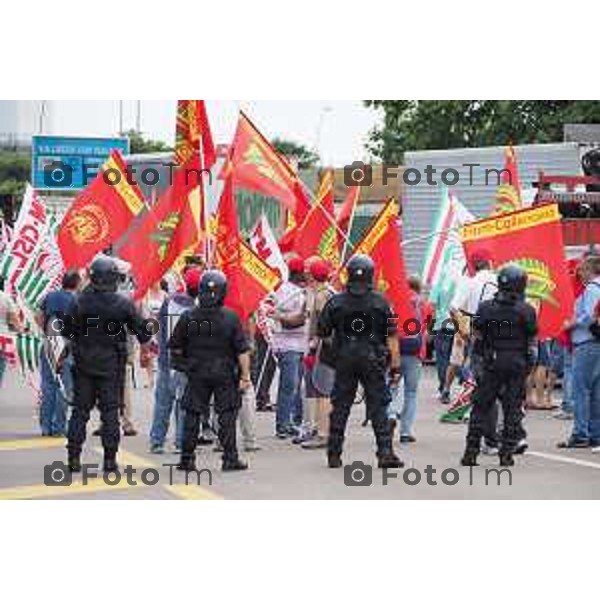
70, 163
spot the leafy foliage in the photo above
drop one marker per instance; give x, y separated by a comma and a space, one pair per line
15, 171
139, 145
440, 124
306, 157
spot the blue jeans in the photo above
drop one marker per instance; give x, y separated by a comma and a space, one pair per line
53, 408
289, 382
410, 373
170, 387
586, 392
567, 384
443, 349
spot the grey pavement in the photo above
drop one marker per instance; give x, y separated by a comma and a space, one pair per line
283, 471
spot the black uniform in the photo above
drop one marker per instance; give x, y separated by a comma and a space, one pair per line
502, 357
206, 344
360, 324
99, 363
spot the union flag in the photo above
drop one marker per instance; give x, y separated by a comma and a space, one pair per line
256, 165
249, 277
383, 243
508, 195
172, 226
532, 239
100, 215
192, 132
317, 234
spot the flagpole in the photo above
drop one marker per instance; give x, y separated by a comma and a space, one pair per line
349, 231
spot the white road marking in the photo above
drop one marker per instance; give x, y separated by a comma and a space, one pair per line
565, 459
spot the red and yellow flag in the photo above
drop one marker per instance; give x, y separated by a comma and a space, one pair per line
100, 215
317, 234
348, 208
256, 165
508, 195
531, 239
192, 132
383, 243
249, 277
171, 227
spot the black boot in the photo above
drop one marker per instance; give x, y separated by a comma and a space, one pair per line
234, 464
469, 458
110, 462
74, 463
506, 459
334, 461
187, 462
388, 460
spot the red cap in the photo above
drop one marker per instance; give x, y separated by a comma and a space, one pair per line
295, 265
481, 255
320, 270
192, 278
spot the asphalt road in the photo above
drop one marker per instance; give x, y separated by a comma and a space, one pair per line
283, 471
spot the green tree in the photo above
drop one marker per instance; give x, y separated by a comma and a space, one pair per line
306, 157
440, 124
15, 172
139, 145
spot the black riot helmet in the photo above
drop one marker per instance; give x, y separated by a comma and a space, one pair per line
104, 274
512, 282
361, 270
212, 289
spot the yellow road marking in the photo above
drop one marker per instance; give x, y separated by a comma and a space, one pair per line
33, 443
191, 492
32, 492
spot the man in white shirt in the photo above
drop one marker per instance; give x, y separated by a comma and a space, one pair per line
470, 292
10, 322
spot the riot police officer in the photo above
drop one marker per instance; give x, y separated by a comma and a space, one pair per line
502, 357
209, 345
102, 320
364, 335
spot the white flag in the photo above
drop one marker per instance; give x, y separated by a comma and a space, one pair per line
263, 242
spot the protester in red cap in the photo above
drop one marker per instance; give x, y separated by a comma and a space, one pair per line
290, 343
317, 404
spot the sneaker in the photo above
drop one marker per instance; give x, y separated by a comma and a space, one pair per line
304, 435
129, 432
573, 443
506, 460
252, 448
596, 449
407, 439
563, 415
157, 449
315, 443
444, 397
488, 449
282, 435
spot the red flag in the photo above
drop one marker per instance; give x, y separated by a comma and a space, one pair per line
100, 215
249, 277
383, 243
531, 239
508, 195
256, 165
171, 227
348, 208
295, 218
193, 130
317, 235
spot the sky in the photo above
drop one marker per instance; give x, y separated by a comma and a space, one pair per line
337, 129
